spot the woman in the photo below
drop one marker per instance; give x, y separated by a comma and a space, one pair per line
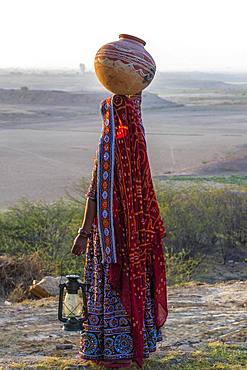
122, 235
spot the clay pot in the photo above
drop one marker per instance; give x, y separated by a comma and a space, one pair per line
124, 67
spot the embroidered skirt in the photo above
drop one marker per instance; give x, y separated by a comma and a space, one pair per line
106, 334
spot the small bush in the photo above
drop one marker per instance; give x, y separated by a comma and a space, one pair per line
204, 220
45, 229
180, 267
17, 274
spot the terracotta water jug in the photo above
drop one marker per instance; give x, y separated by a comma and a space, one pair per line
124, 66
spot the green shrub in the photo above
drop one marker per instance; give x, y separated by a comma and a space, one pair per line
180, 267
200, 220
204, 220
48, 229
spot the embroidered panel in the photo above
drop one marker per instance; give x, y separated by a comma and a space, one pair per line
105, 180
106, 333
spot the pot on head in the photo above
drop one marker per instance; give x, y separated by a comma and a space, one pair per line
124, 66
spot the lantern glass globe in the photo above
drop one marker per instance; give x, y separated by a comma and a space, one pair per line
72, 305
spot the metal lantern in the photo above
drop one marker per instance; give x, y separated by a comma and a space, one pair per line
72, 306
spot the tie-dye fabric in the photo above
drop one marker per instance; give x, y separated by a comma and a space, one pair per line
127, 299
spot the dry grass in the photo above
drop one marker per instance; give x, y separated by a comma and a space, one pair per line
17, 274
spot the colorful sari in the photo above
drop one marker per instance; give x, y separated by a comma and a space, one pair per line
125, 263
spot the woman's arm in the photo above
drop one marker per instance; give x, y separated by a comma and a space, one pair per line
90, 209
89, 214
80, 242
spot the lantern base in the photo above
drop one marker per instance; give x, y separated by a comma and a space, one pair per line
73, 324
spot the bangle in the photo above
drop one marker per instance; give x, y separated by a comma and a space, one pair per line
83, 232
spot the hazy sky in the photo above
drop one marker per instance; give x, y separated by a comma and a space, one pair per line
180, 34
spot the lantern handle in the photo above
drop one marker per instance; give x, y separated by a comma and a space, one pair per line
60, 303
61, 270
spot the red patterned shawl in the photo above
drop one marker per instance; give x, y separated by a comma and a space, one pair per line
138, 226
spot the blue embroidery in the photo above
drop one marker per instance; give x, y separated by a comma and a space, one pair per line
123, 343
106, 172
91, 343
106, 231
106, 156
107, 320
105, 175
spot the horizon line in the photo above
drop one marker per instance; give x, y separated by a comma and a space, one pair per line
74, 69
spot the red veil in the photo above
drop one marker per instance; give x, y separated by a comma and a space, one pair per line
131, 228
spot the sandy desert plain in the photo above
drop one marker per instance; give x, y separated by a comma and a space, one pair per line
50, 124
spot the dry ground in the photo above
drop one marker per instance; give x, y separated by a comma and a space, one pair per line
43, 155
198, 314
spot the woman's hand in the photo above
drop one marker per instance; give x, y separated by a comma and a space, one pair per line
79, 245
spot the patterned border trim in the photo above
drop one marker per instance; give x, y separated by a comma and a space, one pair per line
105, 180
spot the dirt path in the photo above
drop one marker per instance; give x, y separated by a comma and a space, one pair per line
198, 314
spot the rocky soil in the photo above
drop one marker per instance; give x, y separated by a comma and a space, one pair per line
198, 314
